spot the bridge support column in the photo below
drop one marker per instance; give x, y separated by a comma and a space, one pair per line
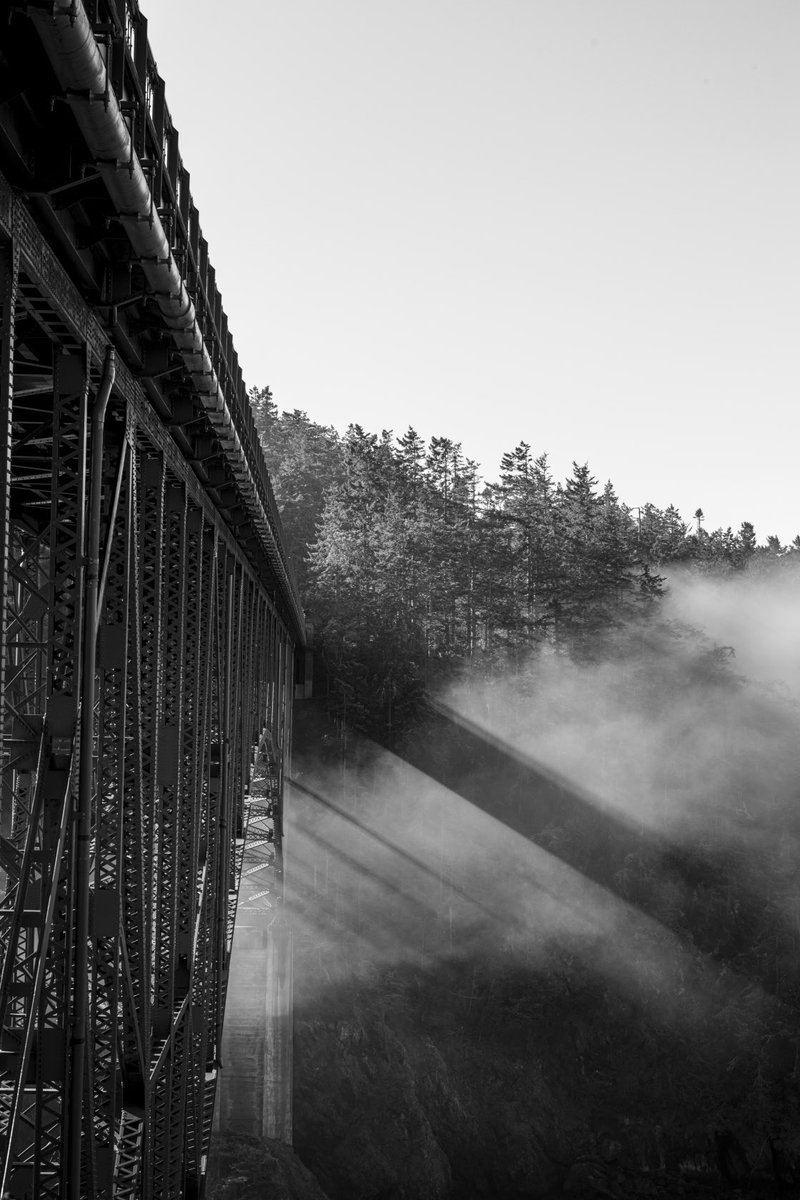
277, 1114
255, 1089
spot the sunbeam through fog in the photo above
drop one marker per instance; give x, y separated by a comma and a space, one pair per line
592, 805
390, 867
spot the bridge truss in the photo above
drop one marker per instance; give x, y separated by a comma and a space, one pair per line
149, 623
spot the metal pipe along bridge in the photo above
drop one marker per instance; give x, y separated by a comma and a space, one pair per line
150, 623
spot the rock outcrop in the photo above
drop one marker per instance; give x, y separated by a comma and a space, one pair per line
242, 1167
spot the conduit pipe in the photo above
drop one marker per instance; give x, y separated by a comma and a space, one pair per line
67, 36
83, 822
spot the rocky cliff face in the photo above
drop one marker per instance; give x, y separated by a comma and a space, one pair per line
242, 1167
457, 1086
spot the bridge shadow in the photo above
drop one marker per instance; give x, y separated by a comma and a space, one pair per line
412, 877
633, 862
432, 885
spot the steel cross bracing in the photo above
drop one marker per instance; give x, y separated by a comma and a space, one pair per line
192, 661
149, 622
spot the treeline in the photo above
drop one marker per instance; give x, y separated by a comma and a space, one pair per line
411, 564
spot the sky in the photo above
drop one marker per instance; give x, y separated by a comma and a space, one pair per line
570, 222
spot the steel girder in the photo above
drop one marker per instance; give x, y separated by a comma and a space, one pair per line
192, 685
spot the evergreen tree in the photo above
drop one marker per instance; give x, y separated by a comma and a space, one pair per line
660, 535
303, 460
747, 541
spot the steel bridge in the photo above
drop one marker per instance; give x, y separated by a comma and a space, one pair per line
149, 620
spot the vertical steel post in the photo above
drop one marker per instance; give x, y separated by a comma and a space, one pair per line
224, 834
9, 269
85, 781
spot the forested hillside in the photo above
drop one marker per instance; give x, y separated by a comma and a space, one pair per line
415, 569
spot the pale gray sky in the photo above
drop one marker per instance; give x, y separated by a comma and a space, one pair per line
573, 222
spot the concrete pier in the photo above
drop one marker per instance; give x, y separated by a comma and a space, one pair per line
255, 1089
